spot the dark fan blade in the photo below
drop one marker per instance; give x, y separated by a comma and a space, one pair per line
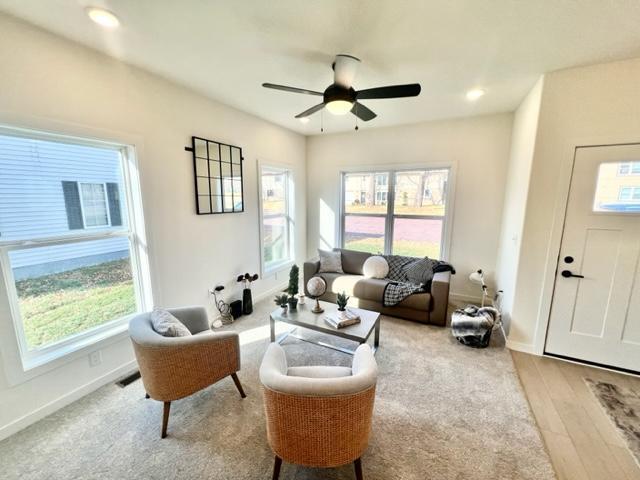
395, 91
311, 111
291, 89
362, 112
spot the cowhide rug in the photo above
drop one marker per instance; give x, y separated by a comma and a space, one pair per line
622, 405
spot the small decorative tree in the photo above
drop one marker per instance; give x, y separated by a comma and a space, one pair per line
292, 289
341, 301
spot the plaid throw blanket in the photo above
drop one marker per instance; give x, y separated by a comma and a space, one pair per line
409, 275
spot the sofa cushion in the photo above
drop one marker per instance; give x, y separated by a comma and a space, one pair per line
330, 261
352, 261
371, 289
375, 267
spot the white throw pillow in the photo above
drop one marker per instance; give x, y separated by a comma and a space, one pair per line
330, 262
375, 267
167, 325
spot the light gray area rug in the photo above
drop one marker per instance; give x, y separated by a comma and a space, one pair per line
622, 406
443, 411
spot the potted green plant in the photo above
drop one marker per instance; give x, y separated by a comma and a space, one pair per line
282, 301
341, 301
292, 289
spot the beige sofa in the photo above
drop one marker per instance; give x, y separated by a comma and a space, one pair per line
367, 292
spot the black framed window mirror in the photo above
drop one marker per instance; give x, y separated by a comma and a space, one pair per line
218, 176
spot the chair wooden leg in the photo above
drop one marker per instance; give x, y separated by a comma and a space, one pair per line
358, 467
236, 380
276, 468
165, 418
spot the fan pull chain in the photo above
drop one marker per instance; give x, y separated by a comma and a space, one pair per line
322, 120
357, 117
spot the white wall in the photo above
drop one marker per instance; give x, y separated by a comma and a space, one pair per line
523, 137
52, 84
582, 106
479, 149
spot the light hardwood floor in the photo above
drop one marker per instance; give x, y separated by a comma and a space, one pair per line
582, 441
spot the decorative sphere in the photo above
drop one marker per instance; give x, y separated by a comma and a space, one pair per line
316, 286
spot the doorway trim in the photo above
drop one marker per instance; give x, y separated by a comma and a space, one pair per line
554, 244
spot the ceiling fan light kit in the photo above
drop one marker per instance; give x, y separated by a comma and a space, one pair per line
340, 97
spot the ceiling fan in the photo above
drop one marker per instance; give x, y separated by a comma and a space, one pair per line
340, 97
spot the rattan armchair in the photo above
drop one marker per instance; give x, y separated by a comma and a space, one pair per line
176, 367
318, 416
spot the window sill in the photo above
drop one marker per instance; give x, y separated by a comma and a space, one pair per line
270, 270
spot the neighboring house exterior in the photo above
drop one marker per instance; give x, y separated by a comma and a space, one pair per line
618, 187
50, 189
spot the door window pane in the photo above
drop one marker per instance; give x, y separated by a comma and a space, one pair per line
421, 192
366, 192
364, 233
617, 189
67, 289
417, 237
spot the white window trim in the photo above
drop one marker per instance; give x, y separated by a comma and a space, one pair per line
271, 269
106, 204
447, 227
21, 364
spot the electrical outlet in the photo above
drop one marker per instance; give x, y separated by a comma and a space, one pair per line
95, 358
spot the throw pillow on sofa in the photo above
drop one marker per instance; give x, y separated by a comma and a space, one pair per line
167, 325
330, 262
375, 267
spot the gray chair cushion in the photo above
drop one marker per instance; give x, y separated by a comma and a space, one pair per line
167, 325
274, 375
319, 372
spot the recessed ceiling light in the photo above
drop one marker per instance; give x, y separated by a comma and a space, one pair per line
103, 17
475, 94
304, 119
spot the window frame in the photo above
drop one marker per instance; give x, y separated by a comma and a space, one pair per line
288, 215
32, 361
390, 216
106, 205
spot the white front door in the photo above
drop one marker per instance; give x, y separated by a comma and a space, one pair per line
595, 315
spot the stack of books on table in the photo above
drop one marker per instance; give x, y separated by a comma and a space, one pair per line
342, 319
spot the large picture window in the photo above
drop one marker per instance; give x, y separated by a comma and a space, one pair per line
401, 212
71, 240
276, 207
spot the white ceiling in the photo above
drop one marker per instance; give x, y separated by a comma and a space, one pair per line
227, 49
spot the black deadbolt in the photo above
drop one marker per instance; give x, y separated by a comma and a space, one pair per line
568, 259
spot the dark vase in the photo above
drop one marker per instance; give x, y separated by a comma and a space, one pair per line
247, 302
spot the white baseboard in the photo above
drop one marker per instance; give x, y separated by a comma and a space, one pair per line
63, 401
460, 297
521, 347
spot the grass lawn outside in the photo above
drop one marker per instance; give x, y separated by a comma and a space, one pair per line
59, 305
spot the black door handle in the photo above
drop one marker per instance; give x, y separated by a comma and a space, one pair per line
569, 274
